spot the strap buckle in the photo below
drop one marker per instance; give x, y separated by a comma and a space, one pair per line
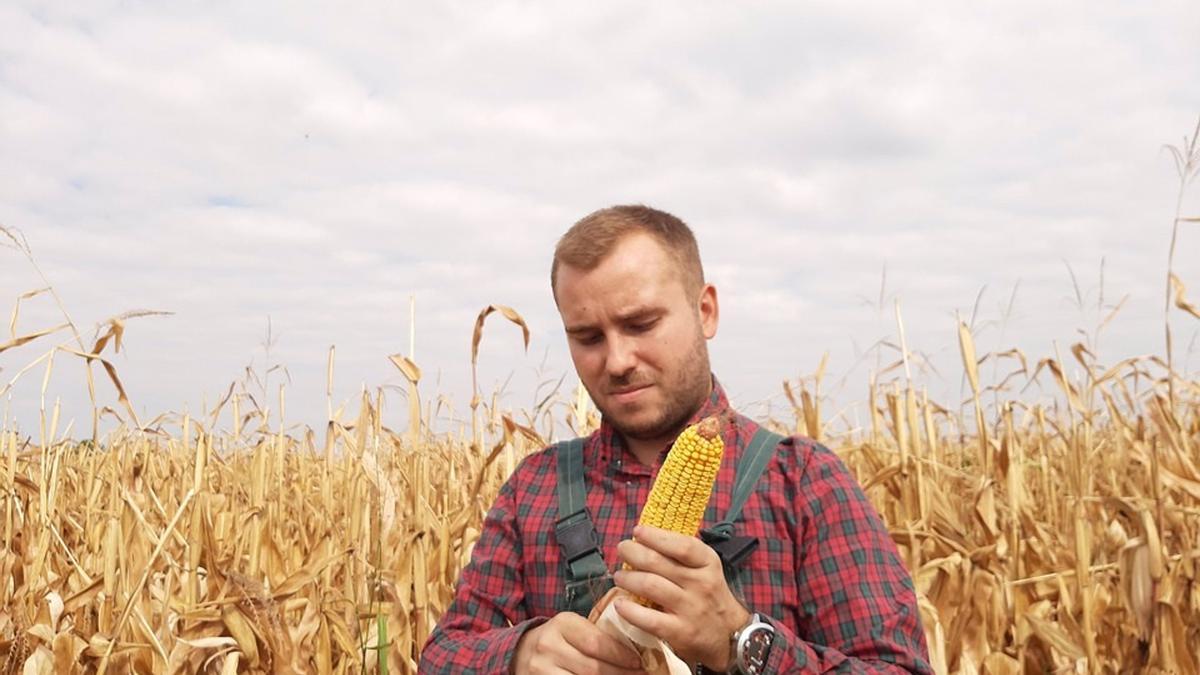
576, 539
731, 549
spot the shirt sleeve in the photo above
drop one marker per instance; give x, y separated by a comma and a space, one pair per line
480, 630
858, 605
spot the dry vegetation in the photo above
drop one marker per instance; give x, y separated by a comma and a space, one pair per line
1054, 537
1061, 536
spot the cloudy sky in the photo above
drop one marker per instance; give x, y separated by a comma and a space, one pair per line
319, 165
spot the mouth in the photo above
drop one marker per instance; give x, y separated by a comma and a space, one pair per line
628, 394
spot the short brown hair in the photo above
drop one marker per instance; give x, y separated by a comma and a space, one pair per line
590, 240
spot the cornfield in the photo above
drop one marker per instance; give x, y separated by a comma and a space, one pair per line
1049, 538
1061, 536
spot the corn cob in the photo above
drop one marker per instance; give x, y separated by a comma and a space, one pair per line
685, 481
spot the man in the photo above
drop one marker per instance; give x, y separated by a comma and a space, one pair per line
824, 590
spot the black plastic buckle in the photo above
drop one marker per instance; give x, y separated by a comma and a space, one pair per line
576, 539
731, 549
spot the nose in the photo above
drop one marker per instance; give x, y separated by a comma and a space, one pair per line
621, 358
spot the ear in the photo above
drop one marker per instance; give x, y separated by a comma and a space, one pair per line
709, 311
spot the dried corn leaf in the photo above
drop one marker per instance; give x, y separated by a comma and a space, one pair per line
17, 341
240, 629
1180, 301
509, 313
1055, 637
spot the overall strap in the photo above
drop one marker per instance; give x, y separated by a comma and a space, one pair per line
576, 534
733, 549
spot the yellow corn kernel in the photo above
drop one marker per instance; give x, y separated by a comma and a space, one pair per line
685, 481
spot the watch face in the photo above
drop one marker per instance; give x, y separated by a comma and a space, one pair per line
755, 650
757, 647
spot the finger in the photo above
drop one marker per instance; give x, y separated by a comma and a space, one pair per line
655, 588
654, 622
593, 644
615, 657
554, 655
687, 551
577, 662
640, 556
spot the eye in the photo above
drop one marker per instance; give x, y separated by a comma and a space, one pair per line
643, 326
590, 338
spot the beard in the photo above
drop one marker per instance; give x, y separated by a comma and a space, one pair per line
684, 393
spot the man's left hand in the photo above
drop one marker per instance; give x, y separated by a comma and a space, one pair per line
696, 610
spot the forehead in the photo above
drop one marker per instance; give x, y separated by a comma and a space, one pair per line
638, 272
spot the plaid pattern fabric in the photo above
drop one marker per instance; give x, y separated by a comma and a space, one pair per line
826, 574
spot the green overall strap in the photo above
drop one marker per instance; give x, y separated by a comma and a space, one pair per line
574, 529
720, 537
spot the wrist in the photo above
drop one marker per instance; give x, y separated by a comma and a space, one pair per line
520, 654
727, 654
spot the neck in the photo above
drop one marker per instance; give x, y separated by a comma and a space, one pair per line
648, 449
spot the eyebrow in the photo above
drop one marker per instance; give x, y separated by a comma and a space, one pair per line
633, 315
641, 313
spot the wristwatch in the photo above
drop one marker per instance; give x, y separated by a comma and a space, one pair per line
750, 646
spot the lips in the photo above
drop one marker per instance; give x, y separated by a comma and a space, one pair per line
629, 393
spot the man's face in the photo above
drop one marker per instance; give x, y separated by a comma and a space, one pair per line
637, 337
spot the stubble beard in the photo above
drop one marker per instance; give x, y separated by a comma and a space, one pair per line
683, 398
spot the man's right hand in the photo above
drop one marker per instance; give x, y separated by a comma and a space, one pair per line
569, 643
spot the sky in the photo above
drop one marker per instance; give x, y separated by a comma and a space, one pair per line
312, 168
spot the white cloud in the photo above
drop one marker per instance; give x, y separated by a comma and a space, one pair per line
234, 161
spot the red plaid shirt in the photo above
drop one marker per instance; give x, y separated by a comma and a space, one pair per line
826, 573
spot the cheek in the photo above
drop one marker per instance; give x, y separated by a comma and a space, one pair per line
587, 361
664, 348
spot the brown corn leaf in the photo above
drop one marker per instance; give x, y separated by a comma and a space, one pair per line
1055, 637
966, 345
1067, 387
1079, 350
1115, 310
17, 341
307, 574
67, 648
1180, 301
42, 632
1138, 585
12, 325
241, 631
1115, 370
41, 662
1153, 545
512, 428
339, 633
116, 330
230, 665
112, 375
214, 642
406, 366
817, 376
999, 663
985, 509
509, 313
83, 596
